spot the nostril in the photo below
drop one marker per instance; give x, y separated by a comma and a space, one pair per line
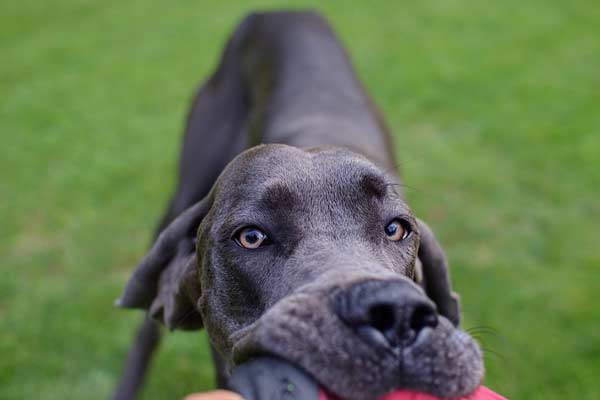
423, 316
385, 314
382, 317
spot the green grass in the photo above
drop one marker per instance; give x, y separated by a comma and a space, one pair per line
496, 111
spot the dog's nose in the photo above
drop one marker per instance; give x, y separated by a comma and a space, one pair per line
388, 313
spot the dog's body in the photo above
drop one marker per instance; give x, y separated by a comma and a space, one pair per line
323, 188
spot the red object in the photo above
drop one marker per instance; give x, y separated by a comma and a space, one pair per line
481, 393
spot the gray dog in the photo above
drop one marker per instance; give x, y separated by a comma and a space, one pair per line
301, 247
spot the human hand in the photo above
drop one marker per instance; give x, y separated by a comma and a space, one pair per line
214, 395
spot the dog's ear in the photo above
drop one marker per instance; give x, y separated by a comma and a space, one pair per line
435, 275
166, 281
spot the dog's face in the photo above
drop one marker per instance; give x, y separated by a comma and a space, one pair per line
310, 255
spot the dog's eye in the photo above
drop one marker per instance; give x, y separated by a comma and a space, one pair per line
250, 238
397, 230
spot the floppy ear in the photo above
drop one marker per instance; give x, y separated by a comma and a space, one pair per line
435, 275
166, 281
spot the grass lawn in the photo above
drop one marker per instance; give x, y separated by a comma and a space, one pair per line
496, 112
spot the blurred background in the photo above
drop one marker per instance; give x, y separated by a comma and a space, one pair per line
496, 111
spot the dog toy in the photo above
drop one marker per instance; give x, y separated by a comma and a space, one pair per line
271, 378
481, 393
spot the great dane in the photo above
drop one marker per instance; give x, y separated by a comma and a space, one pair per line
288, 233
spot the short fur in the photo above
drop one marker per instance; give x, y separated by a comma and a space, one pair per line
283, 137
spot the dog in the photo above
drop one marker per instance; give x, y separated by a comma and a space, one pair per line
288, 233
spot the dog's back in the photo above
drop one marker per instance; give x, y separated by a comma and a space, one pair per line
283, 78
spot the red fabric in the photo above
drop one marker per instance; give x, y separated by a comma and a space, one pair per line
481, 393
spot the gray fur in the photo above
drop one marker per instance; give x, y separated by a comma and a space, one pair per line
323, 188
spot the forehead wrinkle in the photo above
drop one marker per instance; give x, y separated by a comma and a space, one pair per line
373, 184
277, 195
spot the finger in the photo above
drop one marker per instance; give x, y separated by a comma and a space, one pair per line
214, 395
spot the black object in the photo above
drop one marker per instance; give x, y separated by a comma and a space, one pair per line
270, 378
388, 314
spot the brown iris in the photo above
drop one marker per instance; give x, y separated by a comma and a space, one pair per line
250, 238
397, 230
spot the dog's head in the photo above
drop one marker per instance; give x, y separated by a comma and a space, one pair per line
312, 256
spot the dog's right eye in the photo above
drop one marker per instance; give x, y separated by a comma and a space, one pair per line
250, 238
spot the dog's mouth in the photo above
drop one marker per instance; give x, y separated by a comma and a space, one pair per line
443, 361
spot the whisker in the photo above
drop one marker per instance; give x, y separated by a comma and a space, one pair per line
487, 350
403, 186
482, 328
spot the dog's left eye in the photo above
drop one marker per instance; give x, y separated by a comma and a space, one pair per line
250, 238
397, 230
